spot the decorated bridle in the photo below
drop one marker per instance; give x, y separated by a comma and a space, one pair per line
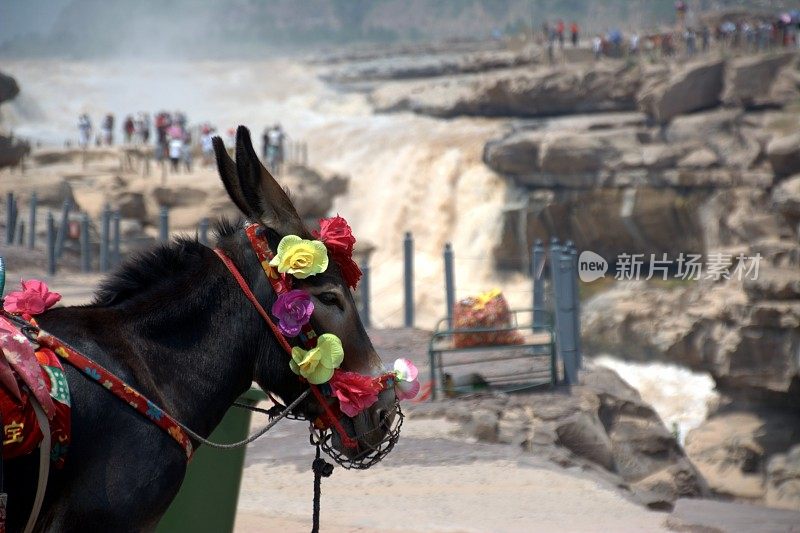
317, 358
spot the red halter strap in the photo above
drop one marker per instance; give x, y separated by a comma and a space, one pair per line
119, 388
328, 418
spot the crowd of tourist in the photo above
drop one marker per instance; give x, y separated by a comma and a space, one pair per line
173, 138
739, 32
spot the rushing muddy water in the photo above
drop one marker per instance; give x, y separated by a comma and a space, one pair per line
680, 397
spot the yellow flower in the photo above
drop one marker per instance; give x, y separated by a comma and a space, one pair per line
300, 257
484, 298
317, 364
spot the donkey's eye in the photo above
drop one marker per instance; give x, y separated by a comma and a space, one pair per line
330, 298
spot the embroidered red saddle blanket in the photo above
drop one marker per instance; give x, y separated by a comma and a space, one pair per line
25, 374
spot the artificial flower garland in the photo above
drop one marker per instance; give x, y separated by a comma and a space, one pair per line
302, 258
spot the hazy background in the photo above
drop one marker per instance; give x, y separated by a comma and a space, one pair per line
241, 28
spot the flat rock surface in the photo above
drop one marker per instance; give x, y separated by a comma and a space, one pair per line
713, 516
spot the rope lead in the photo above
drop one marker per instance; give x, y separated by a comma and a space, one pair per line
321, 468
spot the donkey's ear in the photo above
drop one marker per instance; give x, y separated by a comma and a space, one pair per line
227, 172
265, 198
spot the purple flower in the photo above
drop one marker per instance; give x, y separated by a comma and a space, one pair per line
293, 310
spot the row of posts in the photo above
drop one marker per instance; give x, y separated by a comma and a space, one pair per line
110, 239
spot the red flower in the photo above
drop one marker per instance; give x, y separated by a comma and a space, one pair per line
355, 392
335, 232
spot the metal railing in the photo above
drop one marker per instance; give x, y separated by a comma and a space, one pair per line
536, 353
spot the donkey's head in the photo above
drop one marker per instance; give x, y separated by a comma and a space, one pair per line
262, 200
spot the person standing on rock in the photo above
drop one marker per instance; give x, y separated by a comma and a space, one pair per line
175, 152
108, 130
573, 28
84, 130
207, 144
186, 151
705, 38
597, 47
145, 128
633, 44
690, 38
560, 33
265, 143
276, 140
128, 129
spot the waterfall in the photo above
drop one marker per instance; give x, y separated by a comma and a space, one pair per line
680, 396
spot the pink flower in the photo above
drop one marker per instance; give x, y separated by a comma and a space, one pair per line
354, 391
33, 299
407, 385
293, 310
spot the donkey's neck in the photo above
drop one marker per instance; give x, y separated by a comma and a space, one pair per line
189, 341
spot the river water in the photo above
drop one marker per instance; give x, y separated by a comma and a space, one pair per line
680, 396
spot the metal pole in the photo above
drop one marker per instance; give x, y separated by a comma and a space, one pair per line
115, 257
555, 252
105, 238
565, 302
86, 251
449, 283
576, 304
202, 233
364, 288
32, 222
51, 244
19, 236
163, 219
537, 277
61, 237
10, 222
408, 279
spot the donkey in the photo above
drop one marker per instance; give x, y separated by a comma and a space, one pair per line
174, 324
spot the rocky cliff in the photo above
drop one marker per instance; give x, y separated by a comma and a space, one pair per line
687, 157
